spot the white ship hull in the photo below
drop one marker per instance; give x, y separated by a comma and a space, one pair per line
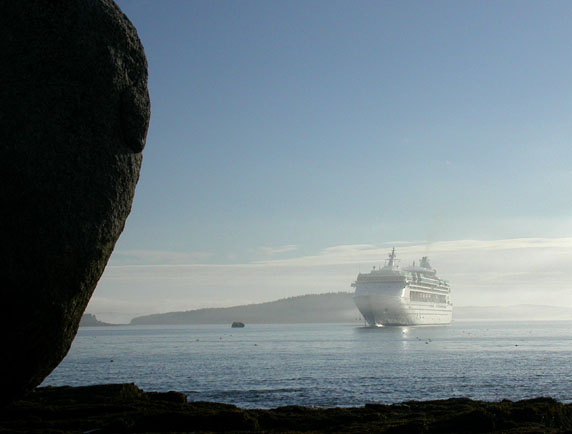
412, 296
381, 310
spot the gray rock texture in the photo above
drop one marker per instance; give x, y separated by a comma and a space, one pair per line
74, 112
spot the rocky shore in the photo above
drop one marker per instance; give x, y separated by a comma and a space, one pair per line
124, 408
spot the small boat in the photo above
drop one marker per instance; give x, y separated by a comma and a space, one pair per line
237, 325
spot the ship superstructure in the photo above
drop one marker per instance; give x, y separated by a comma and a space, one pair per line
413, 295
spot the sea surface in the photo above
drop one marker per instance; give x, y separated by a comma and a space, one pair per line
326, 365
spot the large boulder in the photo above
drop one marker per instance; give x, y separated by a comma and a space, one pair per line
74, 112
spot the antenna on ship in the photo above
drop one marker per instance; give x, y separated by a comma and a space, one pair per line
391, 258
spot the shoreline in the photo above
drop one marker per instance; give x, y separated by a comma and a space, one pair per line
124, 408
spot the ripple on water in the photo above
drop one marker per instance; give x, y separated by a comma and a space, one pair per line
328, 364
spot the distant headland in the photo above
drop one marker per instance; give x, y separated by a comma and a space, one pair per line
315, 308
89, 320
327, 308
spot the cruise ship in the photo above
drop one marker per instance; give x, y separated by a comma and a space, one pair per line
413, 295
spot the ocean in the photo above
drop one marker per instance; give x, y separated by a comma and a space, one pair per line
327, 365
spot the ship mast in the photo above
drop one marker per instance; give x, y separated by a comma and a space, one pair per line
391, 261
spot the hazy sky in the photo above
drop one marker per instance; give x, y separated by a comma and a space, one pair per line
292, 141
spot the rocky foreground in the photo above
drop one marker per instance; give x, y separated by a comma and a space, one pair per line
124, 408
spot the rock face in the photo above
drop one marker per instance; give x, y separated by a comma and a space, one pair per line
74, 112
124, 408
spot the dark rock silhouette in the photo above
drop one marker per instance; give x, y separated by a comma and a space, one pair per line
74, 111
120, 408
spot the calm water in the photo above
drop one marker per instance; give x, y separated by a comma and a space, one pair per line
328, 365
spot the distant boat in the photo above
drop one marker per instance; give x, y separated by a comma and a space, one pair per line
237, 325
414, 296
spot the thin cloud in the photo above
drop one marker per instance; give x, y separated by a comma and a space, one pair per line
157, 257
270, 252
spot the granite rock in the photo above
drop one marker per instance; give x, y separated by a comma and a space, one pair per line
116, 408
74, 112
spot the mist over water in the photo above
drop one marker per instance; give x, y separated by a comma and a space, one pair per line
266, 366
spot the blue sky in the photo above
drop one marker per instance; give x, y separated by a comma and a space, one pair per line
283, 129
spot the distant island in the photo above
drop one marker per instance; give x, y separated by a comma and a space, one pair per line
336, 308
89, 320
315, 308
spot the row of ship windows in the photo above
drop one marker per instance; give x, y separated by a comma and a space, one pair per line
427, 279
423, 296
428, 284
